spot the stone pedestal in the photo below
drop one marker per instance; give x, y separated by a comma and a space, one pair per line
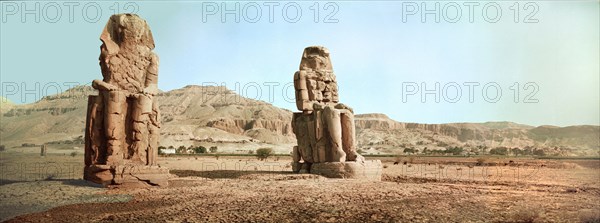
367, 170
298, 167
127, 176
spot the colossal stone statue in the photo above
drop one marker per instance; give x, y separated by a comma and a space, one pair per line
325, 129
123, 120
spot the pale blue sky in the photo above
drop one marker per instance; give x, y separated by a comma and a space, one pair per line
372, 49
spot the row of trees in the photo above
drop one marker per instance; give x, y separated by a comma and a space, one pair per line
528, 151
480, 150
261, 153
450, 150
190, 149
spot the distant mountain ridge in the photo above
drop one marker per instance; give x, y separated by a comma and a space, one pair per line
209, 115
377, 130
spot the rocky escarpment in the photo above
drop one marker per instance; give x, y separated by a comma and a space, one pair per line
461, 131
378, 130
376, 121
239, 126
220, 108
54, 105
28, 111
53, 118
187, 115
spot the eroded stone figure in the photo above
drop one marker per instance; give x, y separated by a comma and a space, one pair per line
325, 128
123, 123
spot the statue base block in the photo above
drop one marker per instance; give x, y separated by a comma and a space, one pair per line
127, 175
367, 170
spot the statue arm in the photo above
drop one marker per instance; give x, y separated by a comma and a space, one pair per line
151, 81
343, 106
303, 101
101, 85
155, 116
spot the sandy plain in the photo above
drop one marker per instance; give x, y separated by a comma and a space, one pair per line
244, 189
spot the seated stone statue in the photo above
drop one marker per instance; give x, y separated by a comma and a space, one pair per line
325, 128
123, 123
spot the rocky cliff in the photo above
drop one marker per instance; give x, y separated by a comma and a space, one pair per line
384, 134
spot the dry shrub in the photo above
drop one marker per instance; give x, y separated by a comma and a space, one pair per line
51, 176
264, 153
525, 215
481, 161
571, 190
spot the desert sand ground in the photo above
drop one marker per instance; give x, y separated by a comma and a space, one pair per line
243, 189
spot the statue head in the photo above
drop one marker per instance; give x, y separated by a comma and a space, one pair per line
126, 29
320, 80
316, 58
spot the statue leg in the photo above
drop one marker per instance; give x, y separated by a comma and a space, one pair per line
153, 144
309, 141
154, 130
140, 111
97, 133
349, 136
114, 125
93, 126
320, 142
332, 119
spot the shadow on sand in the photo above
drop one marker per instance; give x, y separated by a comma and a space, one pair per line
71, 182
226, 174
80, 183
